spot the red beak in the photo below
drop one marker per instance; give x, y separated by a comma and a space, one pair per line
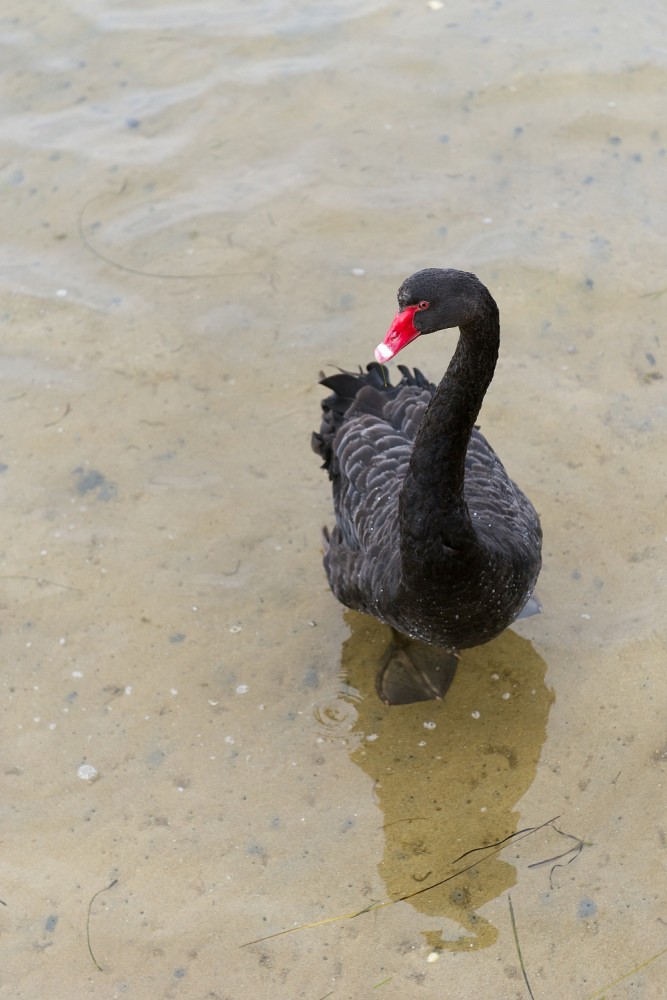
401, 332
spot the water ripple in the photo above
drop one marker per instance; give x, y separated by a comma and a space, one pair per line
336, 715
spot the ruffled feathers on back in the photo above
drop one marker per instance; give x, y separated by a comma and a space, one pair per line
365, 440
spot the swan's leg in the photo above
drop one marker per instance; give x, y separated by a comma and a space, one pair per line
414, 671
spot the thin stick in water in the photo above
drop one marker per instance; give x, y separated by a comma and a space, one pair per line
90, 906
518, 948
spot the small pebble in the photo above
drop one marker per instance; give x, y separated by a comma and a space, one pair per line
87, 772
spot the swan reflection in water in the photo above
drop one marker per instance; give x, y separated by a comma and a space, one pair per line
448, 776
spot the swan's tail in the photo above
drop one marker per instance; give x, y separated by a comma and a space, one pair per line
346, 387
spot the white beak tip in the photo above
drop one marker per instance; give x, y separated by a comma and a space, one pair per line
383, 353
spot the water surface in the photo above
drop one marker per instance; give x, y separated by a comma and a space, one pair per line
204, 205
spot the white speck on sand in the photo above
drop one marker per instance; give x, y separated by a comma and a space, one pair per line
87, 772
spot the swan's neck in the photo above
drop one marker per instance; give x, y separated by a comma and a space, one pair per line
433, 509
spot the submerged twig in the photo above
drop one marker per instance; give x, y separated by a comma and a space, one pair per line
518, 948
492, 848
232, 572
90, 906
498, 843
42, 581
137, 270
631, 972
52, 423
574, 851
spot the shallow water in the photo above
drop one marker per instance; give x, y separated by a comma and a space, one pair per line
205, 204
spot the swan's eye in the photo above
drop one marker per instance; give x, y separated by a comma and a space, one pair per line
423, 305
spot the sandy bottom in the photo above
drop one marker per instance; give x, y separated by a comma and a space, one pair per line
202, 796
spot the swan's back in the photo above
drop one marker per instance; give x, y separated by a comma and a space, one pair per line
367, 432
365, 440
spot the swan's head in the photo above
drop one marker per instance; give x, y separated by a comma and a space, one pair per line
430, 300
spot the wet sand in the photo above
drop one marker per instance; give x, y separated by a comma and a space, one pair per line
203, 207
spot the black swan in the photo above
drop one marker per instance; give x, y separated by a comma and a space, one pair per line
432, 537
